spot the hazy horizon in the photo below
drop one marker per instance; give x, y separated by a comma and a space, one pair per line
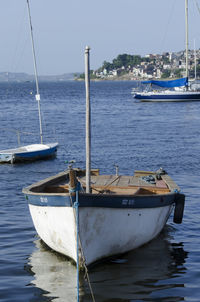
62, 29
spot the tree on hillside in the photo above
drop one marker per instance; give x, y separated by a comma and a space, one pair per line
120, 61
126, 60
166, 74
106, 65
150, 68
178, 72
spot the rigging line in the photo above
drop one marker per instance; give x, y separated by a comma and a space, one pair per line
15, 130
168, 22
86, 269
47, 130
198, 8
33, 48
49, 134
105, 187
13, 63
89, 282
37, 97
109, 184
21, 55
76, 205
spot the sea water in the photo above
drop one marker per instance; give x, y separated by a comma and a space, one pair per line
131, 134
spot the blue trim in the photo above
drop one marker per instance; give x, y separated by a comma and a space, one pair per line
183, 97
104, 201
35, 154
125, 201
13, 155
49, 200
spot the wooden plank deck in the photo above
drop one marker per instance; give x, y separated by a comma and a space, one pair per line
121, 181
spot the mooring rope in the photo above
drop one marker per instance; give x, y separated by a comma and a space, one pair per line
110, 184
75, 206
106, 186
77, 243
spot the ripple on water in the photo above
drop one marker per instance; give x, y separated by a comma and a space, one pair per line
134, 135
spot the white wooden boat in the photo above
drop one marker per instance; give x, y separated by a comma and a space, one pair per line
32, 151
120, 214
87, 216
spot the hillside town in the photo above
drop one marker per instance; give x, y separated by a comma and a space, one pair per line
166, 65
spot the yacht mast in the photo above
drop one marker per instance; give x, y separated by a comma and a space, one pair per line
195, 62
186, 36
37, 96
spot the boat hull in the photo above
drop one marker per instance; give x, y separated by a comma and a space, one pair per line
168, 97
22, 155
104, 231
123, 229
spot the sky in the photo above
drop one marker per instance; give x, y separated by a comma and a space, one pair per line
63, 28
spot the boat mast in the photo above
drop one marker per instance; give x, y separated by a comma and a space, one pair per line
195, 62
186, 36
37, 96
88, 120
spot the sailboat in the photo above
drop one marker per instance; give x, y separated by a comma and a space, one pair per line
33, 151
88, 216
175, 90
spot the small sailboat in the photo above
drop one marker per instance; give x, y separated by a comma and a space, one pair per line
33, 151
88, 217
173, 90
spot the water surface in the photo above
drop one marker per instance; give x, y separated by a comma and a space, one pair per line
134, 135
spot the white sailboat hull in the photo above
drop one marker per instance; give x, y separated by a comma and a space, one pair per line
103, 232
28, 153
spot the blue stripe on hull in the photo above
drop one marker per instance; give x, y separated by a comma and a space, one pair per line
35, 154
14, 156
174, 97
105, 201
49, 200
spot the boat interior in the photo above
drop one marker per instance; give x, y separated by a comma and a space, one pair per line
141, 183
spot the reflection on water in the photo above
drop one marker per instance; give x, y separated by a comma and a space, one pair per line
150, 273
53, 274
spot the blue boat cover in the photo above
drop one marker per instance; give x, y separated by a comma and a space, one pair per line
171, 83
